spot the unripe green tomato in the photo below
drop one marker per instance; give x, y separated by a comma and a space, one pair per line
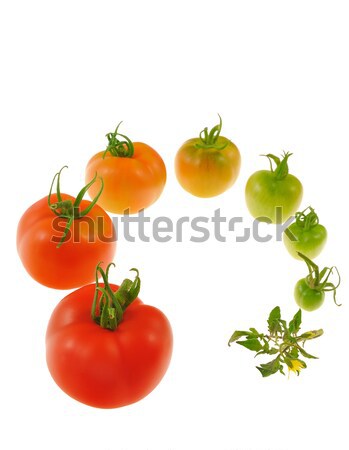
264, 194
306, 297
309, 242
273, 195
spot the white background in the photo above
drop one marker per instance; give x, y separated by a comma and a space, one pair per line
277, 73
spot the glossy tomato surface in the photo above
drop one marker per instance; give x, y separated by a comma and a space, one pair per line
104, 368
130, 183
91, 239
207, 171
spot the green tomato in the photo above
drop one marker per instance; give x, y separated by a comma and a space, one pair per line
306, 297
273, 195
309, 292
305, 235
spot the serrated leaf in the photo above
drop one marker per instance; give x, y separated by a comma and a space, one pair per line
306, 354
269, 368
237, 335
311, 335
251, 344
295, 323
274, 320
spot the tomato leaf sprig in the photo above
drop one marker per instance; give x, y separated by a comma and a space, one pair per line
318, 280
108, 310
282, 340
67, 209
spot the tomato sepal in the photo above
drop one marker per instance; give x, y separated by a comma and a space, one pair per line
108, 307
117, 148
66, 209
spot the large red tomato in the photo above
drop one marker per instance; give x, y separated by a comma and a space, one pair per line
117, 358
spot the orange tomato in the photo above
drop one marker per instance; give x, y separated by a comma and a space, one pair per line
208, 165
134, 175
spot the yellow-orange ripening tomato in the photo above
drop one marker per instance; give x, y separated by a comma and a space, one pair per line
134, 175
208, 165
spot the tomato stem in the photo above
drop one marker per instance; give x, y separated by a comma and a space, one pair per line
281, 170
67, 209
117, 148
307, 221
209, 139
112, 305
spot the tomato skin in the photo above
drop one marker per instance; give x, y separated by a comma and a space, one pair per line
103, 368
306, 297
207, 171
73, 264
264, 192
130, 183
309, 242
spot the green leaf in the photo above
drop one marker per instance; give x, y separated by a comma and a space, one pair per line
274, 320
252, 344
311, 335
268, 351
273, 351
281, 369
254, 332
295, 323
237, 335
306, 354
293, 353
269, 368
284, 324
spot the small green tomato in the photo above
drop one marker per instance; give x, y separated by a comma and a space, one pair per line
305, 235
309, 292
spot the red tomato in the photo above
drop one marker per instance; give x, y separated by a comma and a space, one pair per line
71, 264
104, 368
134, 175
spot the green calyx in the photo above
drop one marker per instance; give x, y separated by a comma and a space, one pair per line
282, 340
108, 307
123, 148
209, 139
66, 209
307, 221
281, 170
319, 280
